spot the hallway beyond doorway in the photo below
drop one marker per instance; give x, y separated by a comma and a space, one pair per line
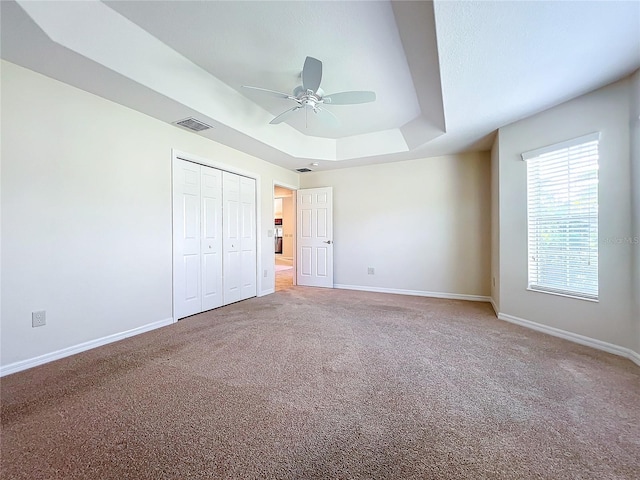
284, 272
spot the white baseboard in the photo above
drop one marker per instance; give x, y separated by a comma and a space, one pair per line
267, 292
495, 307
416, 293
65, 352
634, 356
573, 337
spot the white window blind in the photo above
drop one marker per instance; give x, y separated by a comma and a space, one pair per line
562, 208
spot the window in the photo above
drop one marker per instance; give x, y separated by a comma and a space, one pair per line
562, 210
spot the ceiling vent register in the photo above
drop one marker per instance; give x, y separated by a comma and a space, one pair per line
303, 170
193, 124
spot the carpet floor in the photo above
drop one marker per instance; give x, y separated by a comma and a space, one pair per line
312, 384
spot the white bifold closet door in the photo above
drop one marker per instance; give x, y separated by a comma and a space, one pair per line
201, 217
239, 239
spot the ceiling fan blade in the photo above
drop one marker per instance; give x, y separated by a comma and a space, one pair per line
272, 92
327, 117
349, 98
283, 116
311, 74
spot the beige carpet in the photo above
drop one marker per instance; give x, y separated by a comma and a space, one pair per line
312, 383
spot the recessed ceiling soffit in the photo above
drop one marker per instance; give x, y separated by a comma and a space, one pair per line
403, 71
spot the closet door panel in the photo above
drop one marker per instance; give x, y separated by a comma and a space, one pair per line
232, 263
186, 239
248, 237
211, 238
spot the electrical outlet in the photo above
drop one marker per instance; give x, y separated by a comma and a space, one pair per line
38, 319
371, 271
265, 273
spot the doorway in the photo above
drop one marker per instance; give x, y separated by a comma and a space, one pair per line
284, 236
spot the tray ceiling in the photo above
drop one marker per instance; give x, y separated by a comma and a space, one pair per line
446, 75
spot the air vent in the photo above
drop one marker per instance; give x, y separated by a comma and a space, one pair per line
193, 124
303, 170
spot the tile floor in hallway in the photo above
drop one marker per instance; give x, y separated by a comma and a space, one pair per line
284, 275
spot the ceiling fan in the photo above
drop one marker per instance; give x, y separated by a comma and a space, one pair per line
310, 97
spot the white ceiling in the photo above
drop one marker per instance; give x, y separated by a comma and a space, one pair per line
265, 43
446, 75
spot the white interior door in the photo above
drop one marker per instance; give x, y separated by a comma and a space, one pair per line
239, 241
315, 237
248, 244
211, 237
186, 239
231, 238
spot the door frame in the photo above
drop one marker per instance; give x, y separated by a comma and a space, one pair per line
189, 157
294, 197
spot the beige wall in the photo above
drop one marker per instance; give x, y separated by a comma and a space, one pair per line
495, 223
288, 226
288, 215
277, 207
86, 214
86, 217
424, 225
635, 182
610, 320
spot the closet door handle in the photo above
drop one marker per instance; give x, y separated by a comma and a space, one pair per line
328, 241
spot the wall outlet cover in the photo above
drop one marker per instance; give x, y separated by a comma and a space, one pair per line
39, 318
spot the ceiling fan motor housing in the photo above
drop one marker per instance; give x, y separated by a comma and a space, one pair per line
310, 96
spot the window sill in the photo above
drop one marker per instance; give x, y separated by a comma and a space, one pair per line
567, 295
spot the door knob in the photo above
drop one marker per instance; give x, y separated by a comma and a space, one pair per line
328, 241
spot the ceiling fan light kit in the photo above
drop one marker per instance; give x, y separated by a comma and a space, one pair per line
310, 97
